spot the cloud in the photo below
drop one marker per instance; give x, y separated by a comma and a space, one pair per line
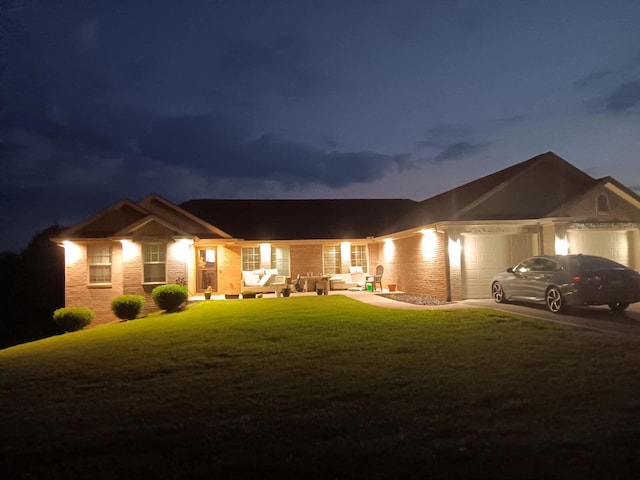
460, 150
619, 88
598, 77
452, 142
625, 98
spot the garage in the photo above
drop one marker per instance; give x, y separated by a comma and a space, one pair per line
605, 243
485, 255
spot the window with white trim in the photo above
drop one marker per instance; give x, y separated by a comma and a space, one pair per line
280, 260
359, 257
331, 259
154, 257
99, 261
250, 258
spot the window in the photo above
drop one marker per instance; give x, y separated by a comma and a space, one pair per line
250, 258
525, 266
99, 259
280, 260
359, 257
603, 204
331, 259
154, 256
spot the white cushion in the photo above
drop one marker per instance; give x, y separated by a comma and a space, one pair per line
265, 279
251, 279
358, 278
353, 270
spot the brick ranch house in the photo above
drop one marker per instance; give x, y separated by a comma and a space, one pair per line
448, 246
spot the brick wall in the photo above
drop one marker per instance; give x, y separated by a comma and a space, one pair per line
417, 265
126, 278
306, 258
78, 293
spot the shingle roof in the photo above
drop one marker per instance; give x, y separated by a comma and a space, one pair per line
543, 186
528, 190
300, 219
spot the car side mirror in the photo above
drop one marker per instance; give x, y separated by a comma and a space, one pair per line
509, 270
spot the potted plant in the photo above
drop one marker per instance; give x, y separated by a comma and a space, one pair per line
208, 292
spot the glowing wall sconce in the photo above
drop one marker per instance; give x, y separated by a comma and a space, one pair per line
180, 249
455, 251
72, 252
562, 246
345, 251
429, 243
129, 250
389, 249
265, 255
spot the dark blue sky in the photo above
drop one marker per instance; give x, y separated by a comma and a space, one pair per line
104, 100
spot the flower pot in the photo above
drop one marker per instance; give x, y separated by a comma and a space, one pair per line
286, 292
392, 287
207, 295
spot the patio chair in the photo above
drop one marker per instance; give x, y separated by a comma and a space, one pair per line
376, 279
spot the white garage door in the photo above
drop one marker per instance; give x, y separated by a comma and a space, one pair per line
609, 244
486, 255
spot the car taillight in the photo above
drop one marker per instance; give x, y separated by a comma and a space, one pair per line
577, 278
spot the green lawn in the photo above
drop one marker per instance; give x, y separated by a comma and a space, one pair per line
322, 387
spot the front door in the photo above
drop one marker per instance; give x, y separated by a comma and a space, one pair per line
207, 269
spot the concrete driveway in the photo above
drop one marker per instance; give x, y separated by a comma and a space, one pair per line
598, 318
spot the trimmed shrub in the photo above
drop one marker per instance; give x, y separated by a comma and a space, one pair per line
70, 319
127, 307
170, 297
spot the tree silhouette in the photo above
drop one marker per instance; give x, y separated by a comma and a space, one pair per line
31, 288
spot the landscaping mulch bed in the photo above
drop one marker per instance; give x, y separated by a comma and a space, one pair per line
414, 299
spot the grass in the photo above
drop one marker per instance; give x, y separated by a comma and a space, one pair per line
322, 387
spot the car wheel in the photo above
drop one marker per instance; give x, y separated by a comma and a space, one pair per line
498, 293
618, 307
555, 302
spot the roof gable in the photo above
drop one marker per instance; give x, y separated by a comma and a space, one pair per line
529, 189
107, 222
150, 228
181, 218
623, 204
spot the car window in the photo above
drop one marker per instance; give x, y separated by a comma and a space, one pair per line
525, 266
544, 265
593, 263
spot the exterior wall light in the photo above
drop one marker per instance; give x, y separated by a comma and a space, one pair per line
455, 251
180, 249
129, 250
389, 249
265, 255
72, 252
562, 246
429, 243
